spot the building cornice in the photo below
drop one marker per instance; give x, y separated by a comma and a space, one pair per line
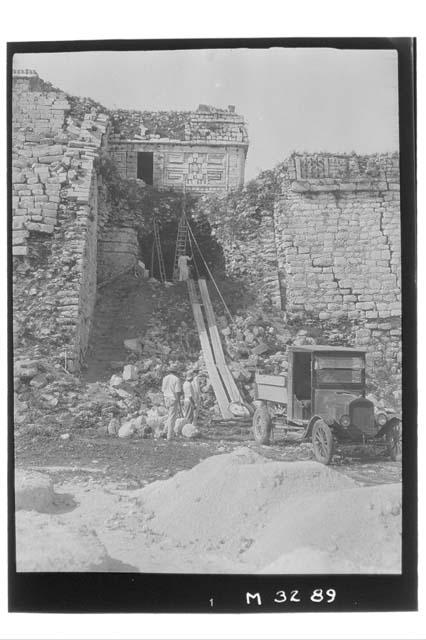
184, 143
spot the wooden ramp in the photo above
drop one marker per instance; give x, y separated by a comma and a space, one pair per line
215, 379
226, 375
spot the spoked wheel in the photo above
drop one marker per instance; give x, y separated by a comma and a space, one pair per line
262, 425
322, 441
394, 440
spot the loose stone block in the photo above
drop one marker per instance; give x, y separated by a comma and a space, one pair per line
49, 159
43, 228
20, 250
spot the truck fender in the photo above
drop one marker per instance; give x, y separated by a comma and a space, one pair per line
312, 421
388, 426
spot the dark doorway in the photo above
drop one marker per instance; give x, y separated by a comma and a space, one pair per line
210, 249
302, 375
145, 166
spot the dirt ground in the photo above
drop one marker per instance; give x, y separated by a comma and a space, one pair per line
136, 462
105, 511
92, 502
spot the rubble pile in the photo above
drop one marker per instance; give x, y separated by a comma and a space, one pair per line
50, 400
206, 124
128, 124
258, 340
242, 222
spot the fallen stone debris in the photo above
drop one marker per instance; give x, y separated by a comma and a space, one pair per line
51, 401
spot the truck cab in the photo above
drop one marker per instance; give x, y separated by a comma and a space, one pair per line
324, 380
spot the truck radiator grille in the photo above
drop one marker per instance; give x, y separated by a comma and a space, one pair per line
362, 416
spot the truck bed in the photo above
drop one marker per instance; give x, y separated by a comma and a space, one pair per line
272, 388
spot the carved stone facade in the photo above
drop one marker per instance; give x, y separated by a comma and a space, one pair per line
208, 157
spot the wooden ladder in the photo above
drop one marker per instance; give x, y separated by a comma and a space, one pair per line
181, 240
157, 246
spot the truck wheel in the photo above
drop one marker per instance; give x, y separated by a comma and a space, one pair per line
322, 441
394, 440
262, 425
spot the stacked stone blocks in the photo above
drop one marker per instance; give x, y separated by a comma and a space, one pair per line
338, 240
54, 186
339, 248
208, 157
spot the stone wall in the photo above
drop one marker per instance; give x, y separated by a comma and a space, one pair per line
118, 251
338, 244
38, 150
206, 125
338, 237
197, 167
253, 259
205, 150
54, 220
319, 238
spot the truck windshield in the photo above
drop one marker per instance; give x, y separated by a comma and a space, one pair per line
339, 370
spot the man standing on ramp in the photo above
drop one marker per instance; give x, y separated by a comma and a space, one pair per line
172, 392
184, 267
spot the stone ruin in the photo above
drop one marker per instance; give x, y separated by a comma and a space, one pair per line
202, 151
327, 245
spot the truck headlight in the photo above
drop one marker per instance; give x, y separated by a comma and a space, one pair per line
345, 421
381, 419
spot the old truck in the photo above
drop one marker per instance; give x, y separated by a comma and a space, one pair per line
323, 398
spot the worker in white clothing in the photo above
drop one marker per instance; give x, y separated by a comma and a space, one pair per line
183, 267
196, 396
172, 393
188, 399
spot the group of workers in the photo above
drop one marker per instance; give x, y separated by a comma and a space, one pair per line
174, 392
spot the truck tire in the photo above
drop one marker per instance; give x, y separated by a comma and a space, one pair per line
262, 425
322, 442
394, 440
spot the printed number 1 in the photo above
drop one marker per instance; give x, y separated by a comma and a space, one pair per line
211, 602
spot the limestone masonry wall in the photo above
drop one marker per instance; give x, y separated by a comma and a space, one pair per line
205, 151
54, 220
38, 151
206, 125
322, 232
117, 252
338, 236
199, 167
337, 228
319, 238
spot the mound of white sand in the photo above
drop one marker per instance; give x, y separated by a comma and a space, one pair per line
232, 513
276, 517
33, 491
48, 543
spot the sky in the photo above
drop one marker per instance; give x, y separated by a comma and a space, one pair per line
292, 99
